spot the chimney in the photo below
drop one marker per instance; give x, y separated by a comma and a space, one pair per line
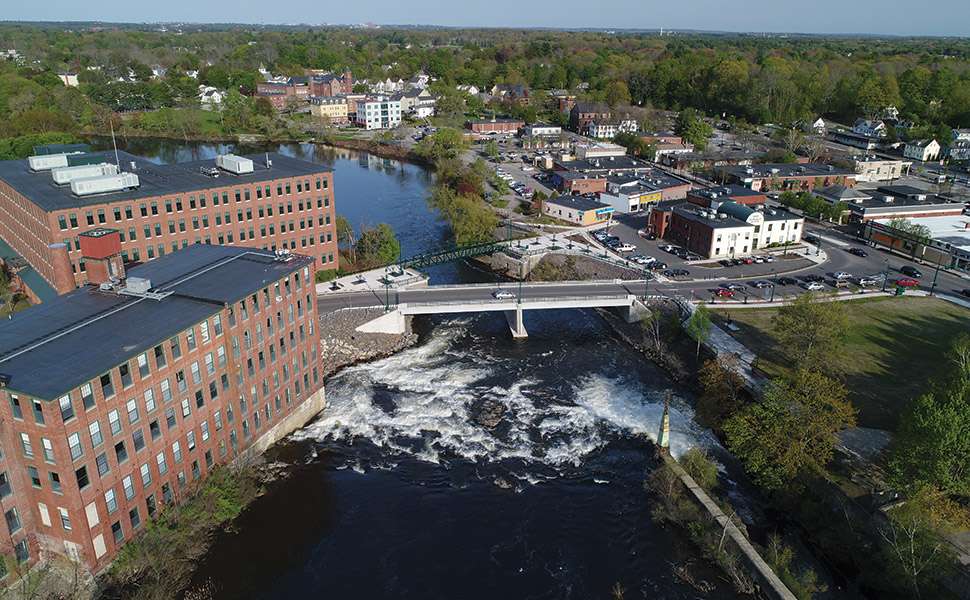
101, 251
63, 272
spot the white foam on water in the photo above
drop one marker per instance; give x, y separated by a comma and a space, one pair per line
421, 403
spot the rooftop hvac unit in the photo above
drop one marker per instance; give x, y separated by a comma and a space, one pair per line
234, 164
65, 175
104, 184
138, 285
46, 162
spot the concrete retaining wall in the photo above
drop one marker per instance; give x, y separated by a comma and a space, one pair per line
771, 586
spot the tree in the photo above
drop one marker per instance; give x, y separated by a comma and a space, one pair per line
791, 430
491, 149
721, 390
346, 236
617, 94
699, 325
812, 333
377, 247
693, 129
931, 447
444, 144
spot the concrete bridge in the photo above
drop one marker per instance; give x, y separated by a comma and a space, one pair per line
516, 298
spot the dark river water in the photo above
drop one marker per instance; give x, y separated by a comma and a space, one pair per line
399, 491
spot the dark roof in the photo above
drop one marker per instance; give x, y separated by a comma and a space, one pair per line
605, 164
696, 213
652, 180
52, 348
577, 203
154, 179
31, 278
591, 107
902, 190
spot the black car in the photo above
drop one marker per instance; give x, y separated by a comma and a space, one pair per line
813, 278
787, 281
858, 252
657, 266
911, 271
676, 273
965, 292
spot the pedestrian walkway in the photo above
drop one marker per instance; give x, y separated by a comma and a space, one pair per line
375, 279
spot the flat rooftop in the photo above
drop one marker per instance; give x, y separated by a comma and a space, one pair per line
696, 213
653, 180
786, 170
953, 230
52, 348
725, 191
577, 203
154, 179
604, 164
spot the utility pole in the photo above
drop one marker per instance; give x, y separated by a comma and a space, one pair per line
936, 274
885, 275
774, 282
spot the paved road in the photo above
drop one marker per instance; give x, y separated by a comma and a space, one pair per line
477, 293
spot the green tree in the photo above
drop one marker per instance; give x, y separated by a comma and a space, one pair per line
377, 247
445, 144
791, 430
491, 149
617, 94
932, 446
812, 333
693, 128
722, 389
699, 325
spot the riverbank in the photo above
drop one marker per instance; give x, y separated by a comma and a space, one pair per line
341, 345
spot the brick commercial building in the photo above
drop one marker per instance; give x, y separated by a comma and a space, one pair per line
711, 197
294, 90
496, 125
785, 176
115, 398
329, 84
265, 201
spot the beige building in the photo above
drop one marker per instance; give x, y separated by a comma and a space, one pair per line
334, 108
873, 168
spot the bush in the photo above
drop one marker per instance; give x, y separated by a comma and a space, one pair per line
326, 275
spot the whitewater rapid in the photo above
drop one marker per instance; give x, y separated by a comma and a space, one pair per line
422, 403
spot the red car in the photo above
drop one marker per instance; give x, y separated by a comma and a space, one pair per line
906, 282
724, 293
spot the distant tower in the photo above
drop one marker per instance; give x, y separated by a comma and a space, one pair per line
663, 437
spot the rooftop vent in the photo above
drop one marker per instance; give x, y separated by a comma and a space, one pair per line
234, 164
104, 184
138, 285
46, 162
65, 175
209, 171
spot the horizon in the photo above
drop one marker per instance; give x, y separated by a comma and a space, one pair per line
950, 18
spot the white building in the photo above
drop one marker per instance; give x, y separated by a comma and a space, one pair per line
542, 129
961, 136
378, 112
68, 79
608, 130
210, 97
870, 128
922, 150
817, 126
468, 89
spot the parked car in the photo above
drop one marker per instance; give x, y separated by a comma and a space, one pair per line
724, 293
647, 234
813, 278
866, 281
906, 282
667, 247
676, 273
813, 286
503, 295
625, 248
762, 284
657, 266
965, 292
735, 287
787, 281
858, 252
841, 275
911, 271
839, 283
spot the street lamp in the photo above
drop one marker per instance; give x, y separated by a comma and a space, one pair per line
936, 274
885, 275
774, 282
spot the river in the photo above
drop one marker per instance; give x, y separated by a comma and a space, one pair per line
400, 489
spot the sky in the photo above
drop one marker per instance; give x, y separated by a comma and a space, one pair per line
893, 17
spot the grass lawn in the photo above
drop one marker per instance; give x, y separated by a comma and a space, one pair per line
895, 347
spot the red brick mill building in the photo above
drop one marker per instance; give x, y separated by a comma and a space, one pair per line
264, 201
116, 396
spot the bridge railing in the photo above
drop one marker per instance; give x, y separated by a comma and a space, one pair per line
524, 301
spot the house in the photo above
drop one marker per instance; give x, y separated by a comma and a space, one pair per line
870, 128
959, 152
922, 150
584, 113
471, 90
961, 136
331, 108
577, 209
785, 176
192, 74
378, 112
874, 168
564, 100
210, 97
412, 98
607, 129
418, 81
158, 71
68, 79
817, 126
515, 93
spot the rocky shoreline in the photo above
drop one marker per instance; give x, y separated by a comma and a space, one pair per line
341, 345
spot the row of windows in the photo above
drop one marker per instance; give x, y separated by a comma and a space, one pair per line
70, 221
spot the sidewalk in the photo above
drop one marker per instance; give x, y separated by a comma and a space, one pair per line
375, 279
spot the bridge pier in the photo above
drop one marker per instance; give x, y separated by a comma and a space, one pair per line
636, 311
516, 325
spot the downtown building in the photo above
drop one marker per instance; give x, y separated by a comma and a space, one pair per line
117, 397
264, 201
